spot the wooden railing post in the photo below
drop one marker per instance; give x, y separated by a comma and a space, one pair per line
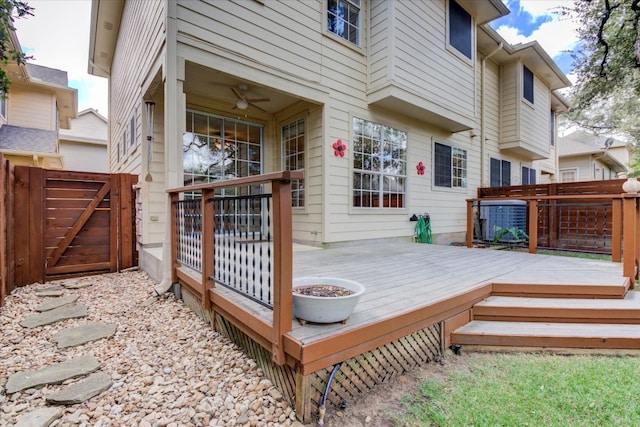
616, 230
470, 222
283, 268
533, 226
173, 217
629, 236
207, 236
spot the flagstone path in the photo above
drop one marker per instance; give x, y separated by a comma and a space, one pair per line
99, 351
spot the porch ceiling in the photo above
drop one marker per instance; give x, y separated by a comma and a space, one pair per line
207, 87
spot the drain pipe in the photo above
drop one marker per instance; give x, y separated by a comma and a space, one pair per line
326, 392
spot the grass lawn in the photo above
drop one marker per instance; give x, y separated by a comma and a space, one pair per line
530, 390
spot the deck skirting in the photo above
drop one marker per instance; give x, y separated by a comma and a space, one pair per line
357, 375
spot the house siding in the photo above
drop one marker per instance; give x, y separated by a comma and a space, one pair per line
140, 42
31, 109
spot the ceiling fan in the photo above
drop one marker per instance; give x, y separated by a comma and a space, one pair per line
242, 102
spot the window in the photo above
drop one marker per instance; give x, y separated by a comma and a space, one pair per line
450, 166
500, 173
132, 130
528, 176
568, 175
293, 144
3, 105
343, 19
527, 84
379, 165
217, 148
460, 29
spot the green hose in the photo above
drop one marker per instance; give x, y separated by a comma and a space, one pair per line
423, 230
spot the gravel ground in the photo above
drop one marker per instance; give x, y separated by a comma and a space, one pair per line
168, 367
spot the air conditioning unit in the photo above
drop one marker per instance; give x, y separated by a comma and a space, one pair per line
496, 215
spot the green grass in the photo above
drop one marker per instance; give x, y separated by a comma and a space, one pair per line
585, 255
530, 390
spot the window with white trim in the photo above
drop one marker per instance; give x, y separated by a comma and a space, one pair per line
132, 130
528, 176
379, 165
449, 166
500, 173
460, 29
343, 19
552, 121
527, 84
569, 175
3, 105
293, 146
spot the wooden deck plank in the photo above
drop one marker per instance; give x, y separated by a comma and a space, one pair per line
562, 335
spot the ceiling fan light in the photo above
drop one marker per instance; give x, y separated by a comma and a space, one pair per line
241, 104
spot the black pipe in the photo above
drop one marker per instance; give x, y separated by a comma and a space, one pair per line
326, 392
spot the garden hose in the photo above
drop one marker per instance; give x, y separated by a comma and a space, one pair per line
423, 230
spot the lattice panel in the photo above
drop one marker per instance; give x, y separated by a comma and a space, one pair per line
360, 374
283, 377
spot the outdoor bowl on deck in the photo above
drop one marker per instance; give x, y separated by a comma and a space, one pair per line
325, 309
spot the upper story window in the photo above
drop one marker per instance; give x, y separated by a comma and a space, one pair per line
449, 166
460, 29
132, 130
379, 165
527, 84
293, 144
500, 173
343, 19
528, 176
568, 175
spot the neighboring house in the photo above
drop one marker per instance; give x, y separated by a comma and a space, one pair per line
38, 105
587, 157
84, 145
397, 82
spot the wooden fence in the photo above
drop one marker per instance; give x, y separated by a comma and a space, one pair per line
597, 215
56, 224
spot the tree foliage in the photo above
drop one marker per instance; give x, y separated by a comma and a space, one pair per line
10, 10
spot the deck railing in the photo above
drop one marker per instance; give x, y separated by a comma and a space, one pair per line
603, 224
236, 234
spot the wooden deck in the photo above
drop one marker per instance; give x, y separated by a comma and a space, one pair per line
411, 287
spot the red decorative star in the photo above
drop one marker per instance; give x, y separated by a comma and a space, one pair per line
339, 148
421, 168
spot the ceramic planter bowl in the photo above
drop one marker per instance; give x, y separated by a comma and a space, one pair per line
322, 309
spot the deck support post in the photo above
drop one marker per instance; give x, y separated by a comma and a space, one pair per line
629, 237
207, 253
533, 226
616, 230
303, 395
470, 222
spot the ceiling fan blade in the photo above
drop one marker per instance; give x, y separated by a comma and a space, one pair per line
258, 100
236, 93
257, 107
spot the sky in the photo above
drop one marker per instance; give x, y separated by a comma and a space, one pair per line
58, 37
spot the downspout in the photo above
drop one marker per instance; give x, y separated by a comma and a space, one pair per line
482, 110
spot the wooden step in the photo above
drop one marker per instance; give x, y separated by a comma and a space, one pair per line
526, 309
613, 287
548, 335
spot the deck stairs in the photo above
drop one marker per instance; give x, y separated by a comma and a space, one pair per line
544, 315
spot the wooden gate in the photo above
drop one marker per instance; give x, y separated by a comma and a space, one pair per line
72, 223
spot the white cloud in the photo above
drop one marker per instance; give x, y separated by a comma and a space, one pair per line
555, 36
58, 37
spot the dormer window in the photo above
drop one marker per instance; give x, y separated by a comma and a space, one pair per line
343, 19
527, 84
460, 29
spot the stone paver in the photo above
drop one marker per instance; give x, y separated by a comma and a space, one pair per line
52, 374
51, 303
77, 284
55, 315
82, 390
83, 334
50, 293
41, 417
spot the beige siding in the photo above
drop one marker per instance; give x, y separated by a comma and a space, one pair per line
84, 157
534, 119
140, 42
510, 108
417, 57
31, 109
